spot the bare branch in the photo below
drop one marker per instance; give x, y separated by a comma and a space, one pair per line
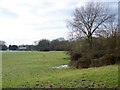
89, 18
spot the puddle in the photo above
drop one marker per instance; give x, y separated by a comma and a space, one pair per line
61, 66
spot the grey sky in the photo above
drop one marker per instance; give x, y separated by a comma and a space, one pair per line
25, 21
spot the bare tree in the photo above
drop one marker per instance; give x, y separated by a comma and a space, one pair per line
90, 18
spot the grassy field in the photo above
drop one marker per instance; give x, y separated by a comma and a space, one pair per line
34, 69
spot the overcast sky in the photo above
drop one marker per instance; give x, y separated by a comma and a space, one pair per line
25, 21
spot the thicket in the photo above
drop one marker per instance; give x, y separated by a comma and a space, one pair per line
105, 51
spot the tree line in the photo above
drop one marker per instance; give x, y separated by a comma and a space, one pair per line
59, 44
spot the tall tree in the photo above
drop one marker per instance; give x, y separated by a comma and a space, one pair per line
3, 45
88, 19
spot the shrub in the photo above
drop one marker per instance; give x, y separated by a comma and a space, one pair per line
108, 59
75, 56
74, 64
104, 51
84, 62
94, 63
118, 59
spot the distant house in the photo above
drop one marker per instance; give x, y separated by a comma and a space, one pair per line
22, 48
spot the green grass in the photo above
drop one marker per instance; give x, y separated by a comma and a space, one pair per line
34, 69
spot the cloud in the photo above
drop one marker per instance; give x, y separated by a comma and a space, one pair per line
6, 13
23, 21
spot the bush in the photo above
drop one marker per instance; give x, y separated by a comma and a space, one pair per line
75, 56
108, 59
81, 63
74, 64
94, 63
118, 59
105, 51
84, 62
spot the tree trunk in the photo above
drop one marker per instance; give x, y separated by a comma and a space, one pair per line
89, 40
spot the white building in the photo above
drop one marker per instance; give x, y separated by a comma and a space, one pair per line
22, 47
